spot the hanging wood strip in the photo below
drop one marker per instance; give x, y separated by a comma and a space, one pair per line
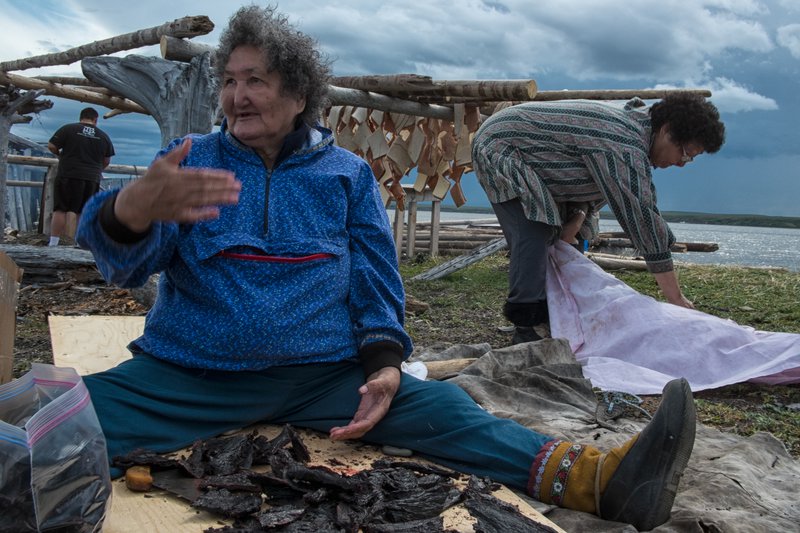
394, 144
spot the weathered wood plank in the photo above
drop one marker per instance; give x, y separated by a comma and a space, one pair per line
49, 264
462, 261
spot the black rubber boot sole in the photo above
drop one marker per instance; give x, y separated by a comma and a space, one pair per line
642, 489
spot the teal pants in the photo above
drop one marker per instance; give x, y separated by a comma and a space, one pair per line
149, 403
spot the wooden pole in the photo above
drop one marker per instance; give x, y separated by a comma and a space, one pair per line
183, 50
436, 209
46, 200
55, 89
504, 90
14, 159
621, 94
353, 97
66, 80
182, 27
382, 83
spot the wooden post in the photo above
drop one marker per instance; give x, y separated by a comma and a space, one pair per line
47, 199
398, 231
436, 209
19, 207
411, 232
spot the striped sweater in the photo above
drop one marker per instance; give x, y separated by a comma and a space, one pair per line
549, 153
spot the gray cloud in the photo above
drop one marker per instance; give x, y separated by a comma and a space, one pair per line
732, 97
789, 38
745, 51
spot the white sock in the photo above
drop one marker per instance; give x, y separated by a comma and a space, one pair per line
53, 241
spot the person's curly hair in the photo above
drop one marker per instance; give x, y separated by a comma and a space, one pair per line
692, 120
292, 54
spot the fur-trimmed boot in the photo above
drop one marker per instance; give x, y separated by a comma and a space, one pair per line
524, 317
635, 483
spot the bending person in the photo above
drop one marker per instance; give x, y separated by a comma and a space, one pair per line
537, 161
281, 301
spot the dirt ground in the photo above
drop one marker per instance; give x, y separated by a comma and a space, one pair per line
722, 407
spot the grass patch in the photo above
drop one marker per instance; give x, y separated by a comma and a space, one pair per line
766, 299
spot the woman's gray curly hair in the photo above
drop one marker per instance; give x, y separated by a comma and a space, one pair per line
292, 54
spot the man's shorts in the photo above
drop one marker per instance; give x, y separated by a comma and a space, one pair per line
71, 194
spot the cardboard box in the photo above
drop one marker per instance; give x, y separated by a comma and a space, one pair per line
10, 278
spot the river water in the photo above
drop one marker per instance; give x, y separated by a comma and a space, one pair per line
738, 245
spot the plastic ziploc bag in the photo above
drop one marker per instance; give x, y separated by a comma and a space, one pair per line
54, 473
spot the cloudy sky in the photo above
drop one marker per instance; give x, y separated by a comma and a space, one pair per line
746, 52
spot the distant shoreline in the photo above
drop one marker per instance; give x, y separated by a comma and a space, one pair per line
762, 221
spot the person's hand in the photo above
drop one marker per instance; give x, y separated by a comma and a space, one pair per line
668, 283
681, 301
570, 229
168, 192
376, 397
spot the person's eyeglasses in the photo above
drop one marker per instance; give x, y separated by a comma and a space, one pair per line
686, 158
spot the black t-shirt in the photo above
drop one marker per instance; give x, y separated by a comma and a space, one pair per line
83, 149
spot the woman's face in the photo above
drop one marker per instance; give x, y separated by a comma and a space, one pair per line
665, 152
258, 115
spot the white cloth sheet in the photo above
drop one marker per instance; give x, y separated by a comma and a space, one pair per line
630, 342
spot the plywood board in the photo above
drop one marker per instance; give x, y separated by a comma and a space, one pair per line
94, 343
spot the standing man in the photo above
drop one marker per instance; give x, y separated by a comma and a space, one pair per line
83, 151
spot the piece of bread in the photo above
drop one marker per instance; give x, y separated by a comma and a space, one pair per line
138, 478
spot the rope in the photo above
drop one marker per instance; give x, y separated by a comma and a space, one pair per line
614, 404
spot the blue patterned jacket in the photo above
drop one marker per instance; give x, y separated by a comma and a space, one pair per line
302, 270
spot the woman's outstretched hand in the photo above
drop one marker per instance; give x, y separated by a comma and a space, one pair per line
168, 192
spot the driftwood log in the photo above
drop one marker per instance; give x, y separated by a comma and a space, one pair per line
440, 370
182, 27
619, 242
180, 96
51, 264
373, 100
176, 49
462, 261
71, 93
615, 262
